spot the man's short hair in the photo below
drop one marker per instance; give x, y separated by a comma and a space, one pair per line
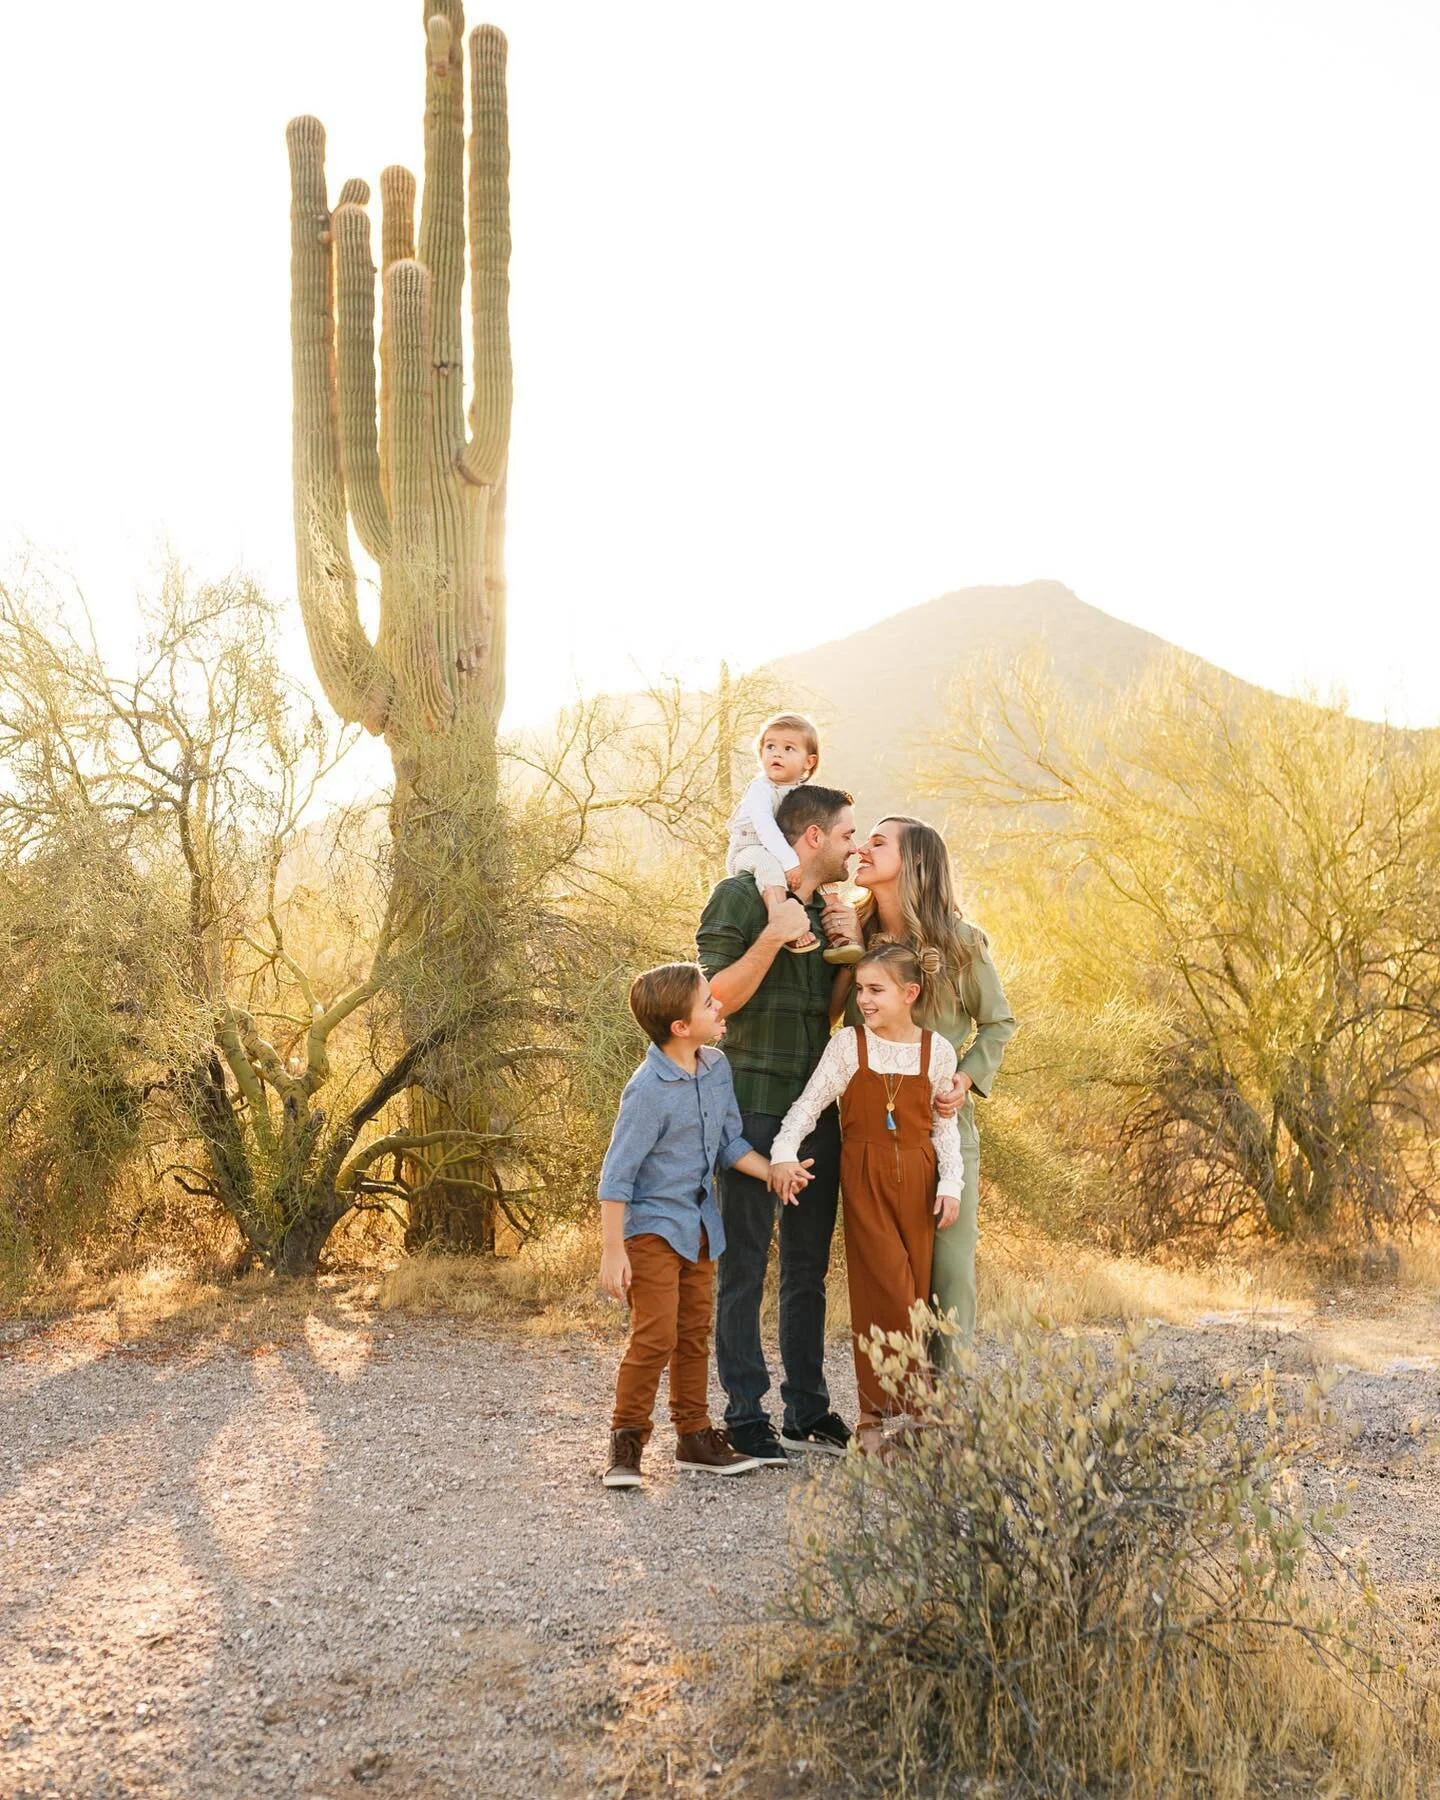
810, 805
660, 996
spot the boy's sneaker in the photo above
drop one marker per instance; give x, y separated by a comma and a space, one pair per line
758, 1440
624, 1470
710, 1452
829, 1434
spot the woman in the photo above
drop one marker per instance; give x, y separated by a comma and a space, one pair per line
905, 868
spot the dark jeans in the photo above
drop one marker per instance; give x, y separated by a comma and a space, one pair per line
748, 1210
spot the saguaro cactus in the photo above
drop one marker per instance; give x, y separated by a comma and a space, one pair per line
426, 495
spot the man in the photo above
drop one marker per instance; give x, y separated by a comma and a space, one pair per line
778, 1006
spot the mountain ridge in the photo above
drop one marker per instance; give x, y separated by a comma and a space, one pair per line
854, 685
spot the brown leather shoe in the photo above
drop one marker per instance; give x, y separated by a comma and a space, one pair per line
709, 1451
624, 1470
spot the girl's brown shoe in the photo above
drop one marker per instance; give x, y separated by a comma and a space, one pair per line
710, 1452
624, 1470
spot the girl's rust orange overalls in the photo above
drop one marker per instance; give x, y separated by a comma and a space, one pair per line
888, 1177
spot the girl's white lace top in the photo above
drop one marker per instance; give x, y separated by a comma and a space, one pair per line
838, 1067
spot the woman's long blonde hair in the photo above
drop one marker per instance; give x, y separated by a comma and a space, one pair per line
930, 910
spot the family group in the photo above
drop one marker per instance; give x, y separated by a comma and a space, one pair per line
857, 1041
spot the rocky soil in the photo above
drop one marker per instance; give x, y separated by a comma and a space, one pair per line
371, 1554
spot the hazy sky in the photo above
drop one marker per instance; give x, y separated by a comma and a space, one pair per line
819, 311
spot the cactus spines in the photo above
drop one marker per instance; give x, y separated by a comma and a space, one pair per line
425, 492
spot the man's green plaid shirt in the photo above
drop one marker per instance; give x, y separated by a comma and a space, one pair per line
776, 1038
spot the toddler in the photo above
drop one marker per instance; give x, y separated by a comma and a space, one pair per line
788, 751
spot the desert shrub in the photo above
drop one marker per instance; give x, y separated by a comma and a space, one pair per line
1071, 1576
85, 939
226, 996
1223, 906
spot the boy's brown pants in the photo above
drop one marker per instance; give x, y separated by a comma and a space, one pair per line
672, 1304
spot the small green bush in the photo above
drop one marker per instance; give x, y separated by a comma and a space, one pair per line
1068, 1575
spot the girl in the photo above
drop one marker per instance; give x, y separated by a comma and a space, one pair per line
901, 1170
906, 868
788, 751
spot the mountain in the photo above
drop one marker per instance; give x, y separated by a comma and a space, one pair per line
878, 694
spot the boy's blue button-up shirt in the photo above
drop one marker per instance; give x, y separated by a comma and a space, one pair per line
671, 1130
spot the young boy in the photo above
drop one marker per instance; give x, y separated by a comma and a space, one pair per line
660, 1221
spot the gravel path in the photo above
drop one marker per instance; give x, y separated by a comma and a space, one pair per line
375, 1552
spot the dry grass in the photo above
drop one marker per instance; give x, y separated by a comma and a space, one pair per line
548, 1288
167, 1306
1386, 1315
1293, 1727
1030, 1276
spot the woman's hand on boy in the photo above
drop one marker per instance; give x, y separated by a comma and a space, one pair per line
615, 1273
787, 1179
947, 1211
952, 1097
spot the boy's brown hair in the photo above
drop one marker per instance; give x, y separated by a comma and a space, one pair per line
659, 997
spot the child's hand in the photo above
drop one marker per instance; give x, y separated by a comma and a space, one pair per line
615, 1273
947, 1211
787, 1179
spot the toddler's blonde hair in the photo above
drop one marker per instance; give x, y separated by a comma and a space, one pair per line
789, 721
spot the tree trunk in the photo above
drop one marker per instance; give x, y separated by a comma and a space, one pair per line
299, 1250
452, 1214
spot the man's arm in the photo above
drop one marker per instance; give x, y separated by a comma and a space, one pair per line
735, 962
733, 985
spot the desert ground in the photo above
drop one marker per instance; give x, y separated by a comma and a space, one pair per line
308, 1547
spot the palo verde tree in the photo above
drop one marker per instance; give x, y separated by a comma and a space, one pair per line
211, 985
160, 1004
423, 483
1226, 903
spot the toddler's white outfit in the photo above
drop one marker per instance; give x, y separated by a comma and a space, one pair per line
756, 845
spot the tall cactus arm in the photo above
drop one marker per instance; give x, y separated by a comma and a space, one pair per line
408, 621
355, 378
442, 217
484, 456
354, 680
495, 600
397, 215
397, 242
